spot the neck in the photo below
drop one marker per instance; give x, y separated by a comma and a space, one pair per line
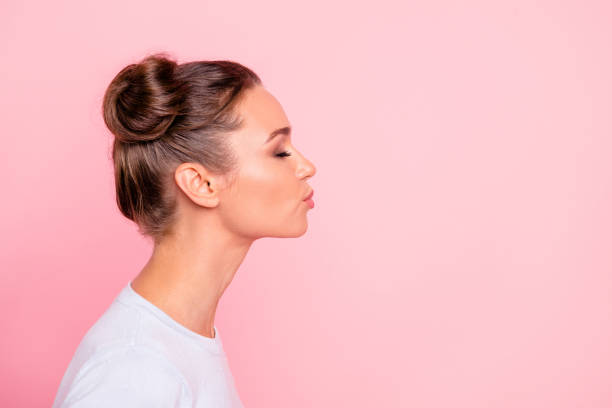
188, 273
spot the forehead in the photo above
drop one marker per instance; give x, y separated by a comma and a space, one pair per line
261, 111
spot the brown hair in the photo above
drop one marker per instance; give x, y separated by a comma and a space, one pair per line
163, 114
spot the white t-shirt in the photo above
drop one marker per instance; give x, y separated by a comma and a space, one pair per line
136, 355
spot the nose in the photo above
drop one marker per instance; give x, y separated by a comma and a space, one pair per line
306, 168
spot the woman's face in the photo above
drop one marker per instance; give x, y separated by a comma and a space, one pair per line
266, 198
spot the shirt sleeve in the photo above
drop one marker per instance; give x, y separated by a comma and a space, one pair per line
133, 377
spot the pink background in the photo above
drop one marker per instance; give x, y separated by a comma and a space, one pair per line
459, 251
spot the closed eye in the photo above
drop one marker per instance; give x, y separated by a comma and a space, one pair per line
283, 154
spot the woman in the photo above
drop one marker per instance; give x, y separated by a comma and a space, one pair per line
204, 165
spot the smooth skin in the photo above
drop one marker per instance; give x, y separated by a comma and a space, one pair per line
219, 216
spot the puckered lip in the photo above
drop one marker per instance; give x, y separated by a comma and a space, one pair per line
309, 195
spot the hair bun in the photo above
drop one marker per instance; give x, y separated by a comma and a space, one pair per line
142, 100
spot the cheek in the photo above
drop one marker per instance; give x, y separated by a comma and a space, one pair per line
264, 186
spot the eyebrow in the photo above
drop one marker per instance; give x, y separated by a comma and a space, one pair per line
284, 131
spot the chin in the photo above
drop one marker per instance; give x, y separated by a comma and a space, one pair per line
298, 231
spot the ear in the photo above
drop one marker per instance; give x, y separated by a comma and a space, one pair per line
198, 184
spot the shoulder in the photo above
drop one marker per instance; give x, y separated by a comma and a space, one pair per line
129, 375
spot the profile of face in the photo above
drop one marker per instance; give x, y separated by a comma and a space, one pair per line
266, 195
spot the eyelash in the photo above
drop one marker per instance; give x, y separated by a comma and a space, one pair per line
283, 154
